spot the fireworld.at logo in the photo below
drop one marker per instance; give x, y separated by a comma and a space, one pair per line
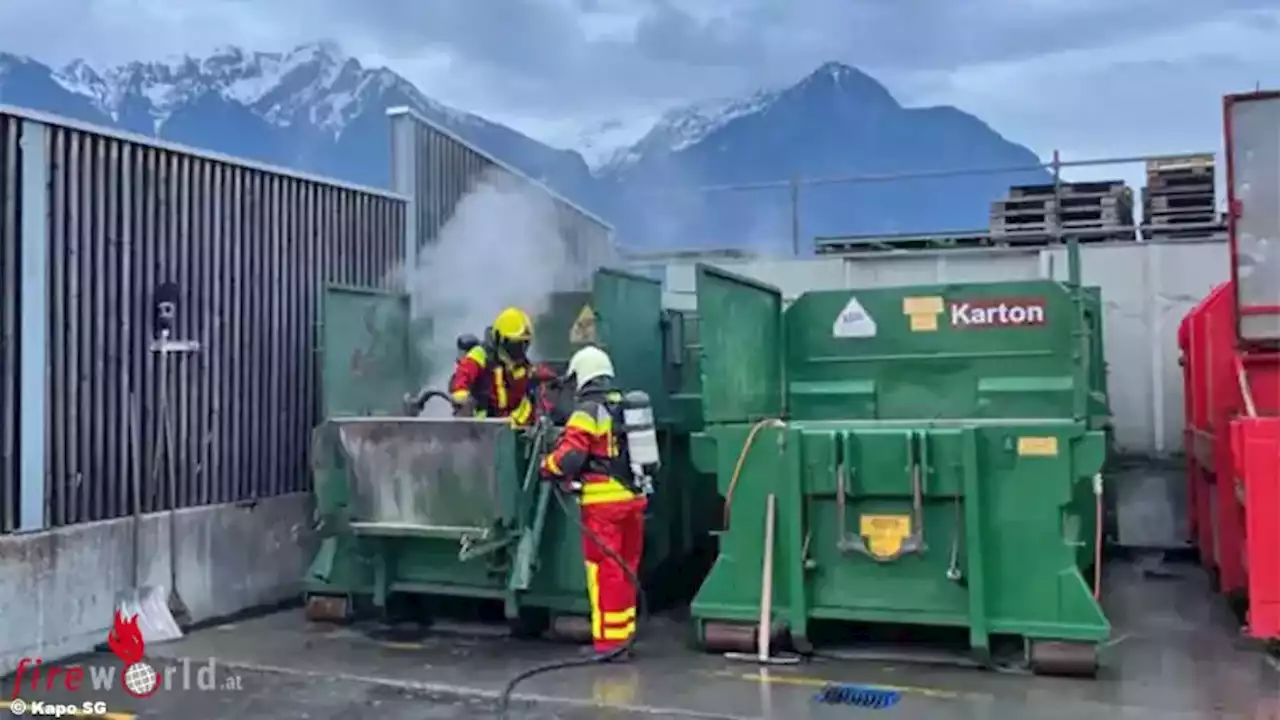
139, 678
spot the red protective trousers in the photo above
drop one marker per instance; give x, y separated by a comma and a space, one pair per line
619, 526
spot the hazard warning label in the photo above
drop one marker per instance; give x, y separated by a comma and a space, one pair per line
584, 327
853, 321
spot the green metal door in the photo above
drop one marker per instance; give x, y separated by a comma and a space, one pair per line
366, 362
740, 329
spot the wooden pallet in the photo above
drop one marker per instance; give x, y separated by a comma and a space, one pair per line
1173, 233
1086, 226
1201, 218
1096, 217
1185, 184
1188, 174
1158, 202
1066, 202
1101, 187
1033, 238
1177, 163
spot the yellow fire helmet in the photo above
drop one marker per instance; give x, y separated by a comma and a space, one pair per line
512, 333
513, 324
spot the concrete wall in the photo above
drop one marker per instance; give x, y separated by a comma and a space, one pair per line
1147, 289
58, 588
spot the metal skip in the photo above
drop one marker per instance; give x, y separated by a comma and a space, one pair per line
422, 472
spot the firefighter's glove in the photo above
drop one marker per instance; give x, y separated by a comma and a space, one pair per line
563, 485
543, 374
464, 408
547, 475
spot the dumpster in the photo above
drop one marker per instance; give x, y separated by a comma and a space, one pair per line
933, 454
451, 508
415, 506
1230, 346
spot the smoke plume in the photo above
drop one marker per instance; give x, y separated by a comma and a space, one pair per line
502, 247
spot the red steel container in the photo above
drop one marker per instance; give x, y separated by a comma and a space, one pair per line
1230, 346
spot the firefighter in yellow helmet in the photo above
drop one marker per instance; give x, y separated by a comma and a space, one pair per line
493, 379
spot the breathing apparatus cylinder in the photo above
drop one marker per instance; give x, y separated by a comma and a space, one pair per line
642, 438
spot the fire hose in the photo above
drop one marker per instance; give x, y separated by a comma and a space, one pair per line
560, 492
414, 404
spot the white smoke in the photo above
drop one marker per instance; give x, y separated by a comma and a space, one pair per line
502, 247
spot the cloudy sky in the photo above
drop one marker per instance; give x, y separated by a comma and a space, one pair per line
1090, 77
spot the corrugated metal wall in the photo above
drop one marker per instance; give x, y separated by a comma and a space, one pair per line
250, 249
1146, 289
10, 296
436, 169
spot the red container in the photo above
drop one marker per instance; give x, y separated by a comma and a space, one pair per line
1230, 346
1256, 447
1233, 456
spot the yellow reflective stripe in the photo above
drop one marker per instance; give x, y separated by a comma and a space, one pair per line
500, 387
478, 354
522, 411
551, 465
593, 595
582, 421
518, 372
614, 618
610, 491
619, 633
623, 496
462, 394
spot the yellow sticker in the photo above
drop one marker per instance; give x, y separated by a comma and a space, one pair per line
926, 305
584, 328
884, 533
924, 323
1038, 446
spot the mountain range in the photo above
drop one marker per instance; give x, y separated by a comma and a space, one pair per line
315, 109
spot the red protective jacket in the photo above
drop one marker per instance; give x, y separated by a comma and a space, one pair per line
589, 451
612, 515
495, 388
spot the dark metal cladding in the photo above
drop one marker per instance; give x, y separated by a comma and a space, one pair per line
445, 168
250, 249
10, 297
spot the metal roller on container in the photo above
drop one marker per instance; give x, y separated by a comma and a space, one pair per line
936, 457
447, 509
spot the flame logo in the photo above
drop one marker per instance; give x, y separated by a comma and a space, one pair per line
125, 639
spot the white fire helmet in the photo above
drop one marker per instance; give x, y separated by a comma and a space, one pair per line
588, 364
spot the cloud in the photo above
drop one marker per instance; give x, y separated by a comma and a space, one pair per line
1096, 76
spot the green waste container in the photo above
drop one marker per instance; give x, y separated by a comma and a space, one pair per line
449, 509
933, 453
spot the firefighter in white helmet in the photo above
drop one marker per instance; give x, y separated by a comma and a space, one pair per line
593, 457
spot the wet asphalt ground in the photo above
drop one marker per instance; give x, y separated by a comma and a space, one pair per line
1176, 654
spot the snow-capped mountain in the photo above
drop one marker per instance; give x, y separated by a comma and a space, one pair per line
312, 108
315, 109
314, 85
836, 122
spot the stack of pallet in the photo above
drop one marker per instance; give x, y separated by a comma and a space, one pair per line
1178, 201
1091, 211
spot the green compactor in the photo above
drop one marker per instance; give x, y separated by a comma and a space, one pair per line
934, 456
449, 511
